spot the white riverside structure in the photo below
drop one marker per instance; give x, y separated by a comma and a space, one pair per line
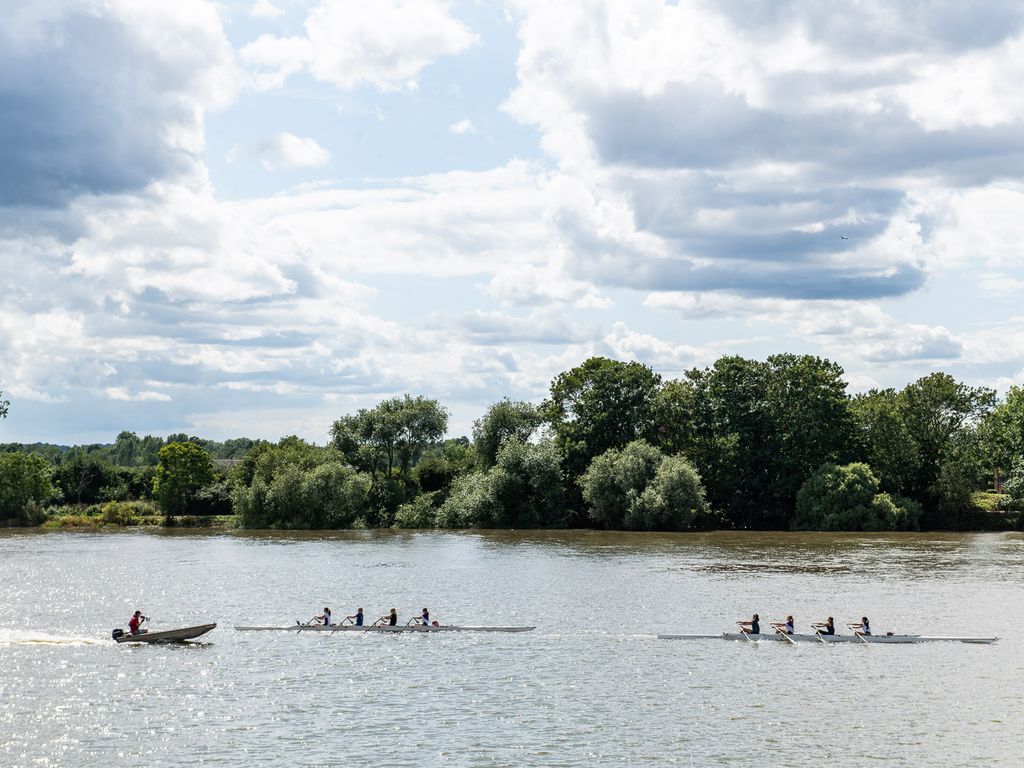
830, 639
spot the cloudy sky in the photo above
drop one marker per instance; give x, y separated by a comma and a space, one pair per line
249, 218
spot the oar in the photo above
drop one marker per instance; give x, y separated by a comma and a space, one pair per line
340, 624
858, 634
817, 633
306, 625
745, 634
784, 634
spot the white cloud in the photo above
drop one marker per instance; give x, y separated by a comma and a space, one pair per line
462, 127
385, 44
286, 150
265, 9
121, 393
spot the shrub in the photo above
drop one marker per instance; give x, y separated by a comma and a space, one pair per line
846, 498
418, 513
639, 488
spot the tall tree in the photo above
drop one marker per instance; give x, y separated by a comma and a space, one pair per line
599, 405
183, 469
386, 442
1002, 432
24, 483
4, 405
504, 420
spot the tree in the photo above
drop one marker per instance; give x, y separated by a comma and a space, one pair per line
639, 488
4, 405
131, 451
846, 498
386, 442
183, 469
524, 489
504, 420
755, 430
24, 484
883, 440
82, 478
1002, 432
599, 405
295, 484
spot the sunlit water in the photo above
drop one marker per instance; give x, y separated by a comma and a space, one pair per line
590, 686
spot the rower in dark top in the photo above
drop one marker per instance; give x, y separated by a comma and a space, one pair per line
784, 628
357, 617
425, 618
391, 618
828, 628
752, 627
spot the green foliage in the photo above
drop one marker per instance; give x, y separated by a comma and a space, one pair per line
1014, 485
83, 478
639, 488
442, 463
24, 486
755, 430
596, 406
4, 406
421, 512
386, 442
1002, 432
847, 498
524, 489
297, 485
504, 420
183, 469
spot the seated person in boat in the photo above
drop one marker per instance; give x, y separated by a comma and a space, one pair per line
357, 617
325, 619
828, 628
425, 618
752, 627
784, 628
864, 628
134, 623
391, 619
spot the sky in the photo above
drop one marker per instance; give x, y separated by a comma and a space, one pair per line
243, 218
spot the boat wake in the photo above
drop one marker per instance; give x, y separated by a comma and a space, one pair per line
28, 637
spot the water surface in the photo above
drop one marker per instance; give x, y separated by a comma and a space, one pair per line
590, 686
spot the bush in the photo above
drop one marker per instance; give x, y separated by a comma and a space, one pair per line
418, 513
639, 488
846, 498
24, 486
524, 489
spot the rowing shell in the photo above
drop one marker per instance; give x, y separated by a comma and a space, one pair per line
835, 638
167, 636
353, 628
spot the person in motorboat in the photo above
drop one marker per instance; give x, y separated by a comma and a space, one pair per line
784, 628
357, 617
827, 628
864, 628
752, 627
325, 619
135, 622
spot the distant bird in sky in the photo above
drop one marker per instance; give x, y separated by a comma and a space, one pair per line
843, 237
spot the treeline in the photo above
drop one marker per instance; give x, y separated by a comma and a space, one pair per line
773, 444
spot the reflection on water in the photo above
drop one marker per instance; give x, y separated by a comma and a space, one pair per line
591, 686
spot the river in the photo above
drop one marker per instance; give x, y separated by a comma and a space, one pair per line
590, 686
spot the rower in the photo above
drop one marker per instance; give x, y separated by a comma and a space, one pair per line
391, 619
784, 628
135, 621
357, 617
425, 618
326, 618
752, 627
828, 628
864, 628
